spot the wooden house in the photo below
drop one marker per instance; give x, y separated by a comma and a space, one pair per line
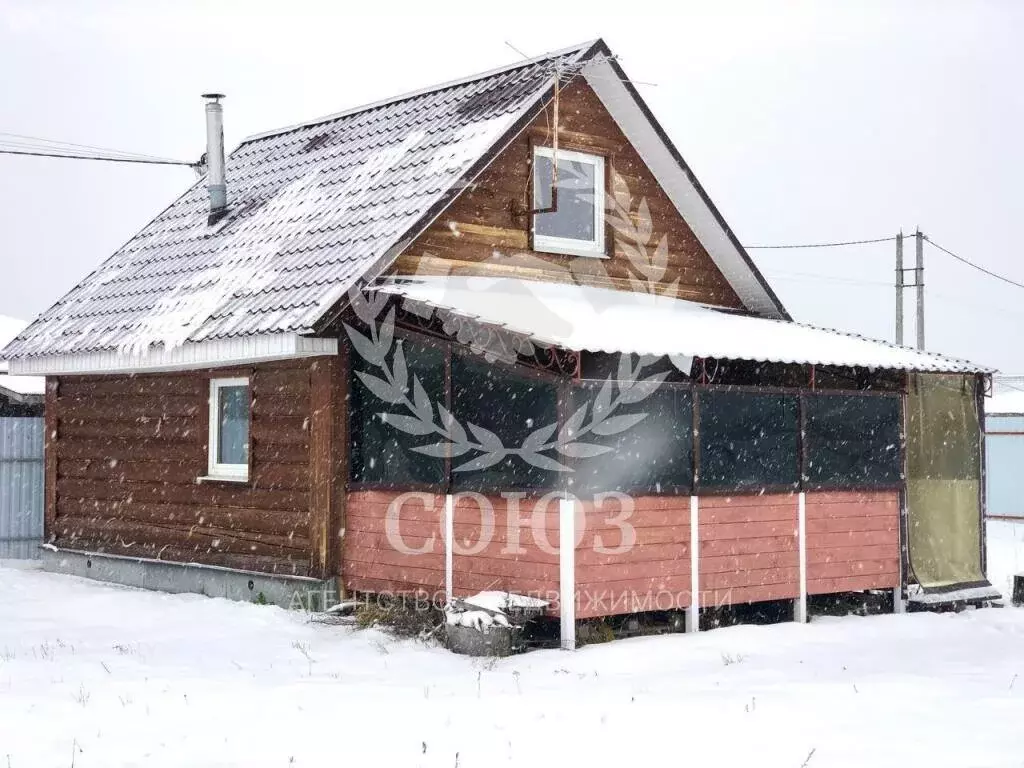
413, 347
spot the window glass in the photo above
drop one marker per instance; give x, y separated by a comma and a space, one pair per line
233, 424
748, 440
574, 218
852, 440
510, 406
383, 452
654, 452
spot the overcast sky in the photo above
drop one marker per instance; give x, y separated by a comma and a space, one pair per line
805, 122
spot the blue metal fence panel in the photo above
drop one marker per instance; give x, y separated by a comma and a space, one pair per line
1004, 474
21, 487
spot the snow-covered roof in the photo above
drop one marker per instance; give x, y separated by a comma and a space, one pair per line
581, 317
1007, 395
315, 208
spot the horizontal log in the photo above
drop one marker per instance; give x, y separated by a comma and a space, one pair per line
290, 383
281, 431
274, 405
210, 494
130, 407
149, 385
113, 530
117, 448
155, 430
852, 554
238, 520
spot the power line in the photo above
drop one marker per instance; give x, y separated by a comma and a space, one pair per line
822, 245
971, 264
37, 142
109, 159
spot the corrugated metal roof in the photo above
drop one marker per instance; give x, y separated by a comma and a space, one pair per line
580, 317
312, 209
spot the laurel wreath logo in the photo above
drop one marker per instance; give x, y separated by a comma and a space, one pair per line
417, 415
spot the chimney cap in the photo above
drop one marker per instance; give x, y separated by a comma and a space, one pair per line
214, 96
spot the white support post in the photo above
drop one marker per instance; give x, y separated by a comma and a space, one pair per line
567, 571
800, 608
449, 537
693, 610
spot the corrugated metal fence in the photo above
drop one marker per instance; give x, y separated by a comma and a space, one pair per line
21, 487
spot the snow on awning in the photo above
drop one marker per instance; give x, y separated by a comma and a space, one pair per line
580, 318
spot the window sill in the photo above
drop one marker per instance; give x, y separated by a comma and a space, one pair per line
569, 250
222, 479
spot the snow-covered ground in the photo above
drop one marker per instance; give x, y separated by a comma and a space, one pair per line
94, 675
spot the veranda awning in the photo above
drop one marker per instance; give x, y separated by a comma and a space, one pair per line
578, 317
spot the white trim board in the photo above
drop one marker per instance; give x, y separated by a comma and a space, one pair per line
680, 187
205, 354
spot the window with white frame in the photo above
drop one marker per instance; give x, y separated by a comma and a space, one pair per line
569, 215
229, 428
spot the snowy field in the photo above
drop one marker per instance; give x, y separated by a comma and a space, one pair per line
94, 675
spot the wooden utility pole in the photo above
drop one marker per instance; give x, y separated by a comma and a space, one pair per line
919, 274
899, 288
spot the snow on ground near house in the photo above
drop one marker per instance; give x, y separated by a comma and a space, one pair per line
121, 677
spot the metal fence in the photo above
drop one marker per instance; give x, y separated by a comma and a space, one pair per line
21, 487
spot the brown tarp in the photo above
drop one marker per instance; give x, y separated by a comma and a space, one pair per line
944, 480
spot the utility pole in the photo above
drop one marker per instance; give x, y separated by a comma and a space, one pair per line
919, 274
899, 288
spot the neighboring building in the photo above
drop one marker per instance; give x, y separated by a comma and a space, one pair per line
377, 359
1004, 448
21, 456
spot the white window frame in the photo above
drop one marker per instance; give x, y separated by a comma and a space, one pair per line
568, 245
216, 470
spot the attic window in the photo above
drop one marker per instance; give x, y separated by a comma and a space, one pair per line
572, 220
229, 429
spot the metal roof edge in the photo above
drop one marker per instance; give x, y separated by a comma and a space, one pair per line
582, 48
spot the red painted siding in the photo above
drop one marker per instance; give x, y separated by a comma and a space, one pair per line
748, 548
518, 554
652, 574
633, 559
372, 562
853, 541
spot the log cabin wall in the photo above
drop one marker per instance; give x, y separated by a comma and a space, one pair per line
487, 232
124, 454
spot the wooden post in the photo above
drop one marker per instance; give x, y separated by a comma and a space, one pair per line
800, 608
449, 540
50, 460
693, 610
567, 571
323, 390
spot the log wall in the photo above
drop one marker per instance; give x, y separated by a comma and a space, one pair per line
126, 453
487, 230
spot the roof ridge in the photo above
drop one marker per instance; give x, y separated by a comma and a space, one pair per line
580, 49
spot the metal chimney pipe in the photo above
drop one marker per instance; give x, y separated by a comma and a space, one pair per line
215, 154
